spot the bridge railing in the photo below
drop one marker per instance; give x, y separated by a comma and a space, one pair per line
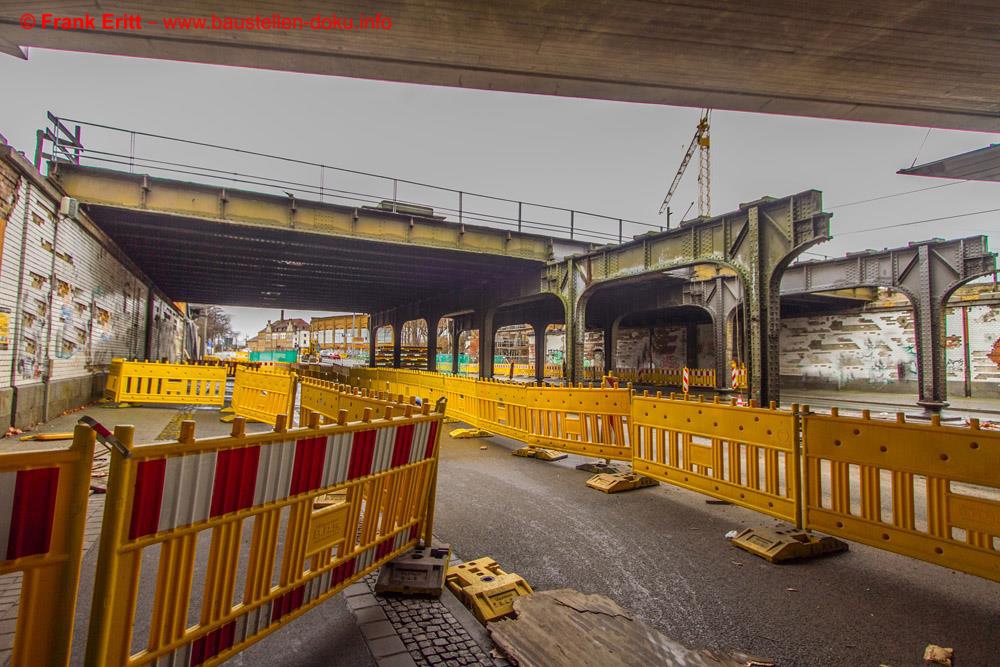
107, 146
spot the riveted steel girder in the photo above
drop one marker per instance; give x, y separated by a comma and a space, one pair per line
757, 241
928, 272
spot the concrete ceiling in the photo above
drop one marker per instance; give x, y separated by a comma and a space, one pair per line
979, 165
915, 62
205, 261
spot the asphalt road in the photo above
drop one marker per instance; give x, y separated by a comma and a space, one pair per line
661, 553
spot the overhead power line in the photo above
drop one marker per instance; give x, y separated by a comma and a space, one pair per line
920, 222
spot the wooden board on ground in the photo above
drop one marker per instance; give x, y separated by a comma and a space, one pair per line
566, 627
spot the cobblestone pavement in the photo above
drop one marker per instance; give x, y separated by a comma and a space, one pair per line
413, 631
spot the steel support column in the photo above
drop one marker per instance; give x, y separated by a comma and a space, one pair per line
456, 334
432, 340
487, 335
691, 345
539, 330
372, 329
397, 343
610, 345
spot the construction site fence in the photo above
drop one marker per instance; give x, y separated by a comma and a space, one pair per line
232, 364
670, 377
928, 491
322, 505
159, 382
43, 513
263, 394
282, 521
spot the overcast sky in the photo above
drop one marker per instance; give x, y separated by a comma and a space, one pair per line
605, 157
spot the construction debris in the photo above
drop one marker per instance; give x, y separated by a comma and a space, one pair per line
483, 587
938, 655
605, 466
46, 437
618, 482
420, 571
778, 545
566, 627
463, 433
539, 453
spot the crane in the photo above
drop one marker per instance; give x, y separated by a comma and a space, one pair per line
700, 140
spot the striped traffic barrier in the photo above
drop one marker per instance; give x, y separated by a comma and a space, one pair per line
164, 496
686, 379
43, 512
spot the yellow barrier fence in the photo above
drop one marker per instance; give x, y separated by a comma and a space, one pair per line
155, 382
329, 398
263, 394
924, 490
165, 499
670, 377
520, 370
746, 455
43, 505
585, 421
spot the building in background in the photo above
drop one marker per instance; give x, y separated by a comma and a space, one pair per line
346, 335
290, 334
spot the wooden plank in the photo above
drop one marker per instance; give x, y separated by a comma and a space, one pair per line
566, 627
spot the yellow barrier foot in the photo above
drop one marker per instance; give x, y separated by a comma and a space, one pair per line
420, 571
112, 406
483, 587
778, 545
227, 419
463, 433
618, 482
228, 410
598, 467
450, 420
539, 453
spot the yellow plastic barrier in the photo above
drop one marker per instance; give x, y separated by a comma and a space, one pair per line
670, 377
923, 490
748, 456
590, 422
165, 497
329, 398
43, 505
154, 382
263, 394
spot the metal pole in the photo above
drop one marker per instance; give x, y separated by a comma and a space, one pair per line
619, 231
39, 149
395, 186
967, 356
572, 220
460, 207
518, 216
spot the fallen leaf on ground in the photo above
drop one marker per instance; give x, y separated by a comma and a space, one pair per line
938, 655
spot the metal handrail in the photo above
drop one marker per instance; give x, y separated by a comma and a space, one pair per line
61, 137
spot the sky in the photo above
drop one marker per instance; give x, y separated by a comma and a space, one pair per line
611, 158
